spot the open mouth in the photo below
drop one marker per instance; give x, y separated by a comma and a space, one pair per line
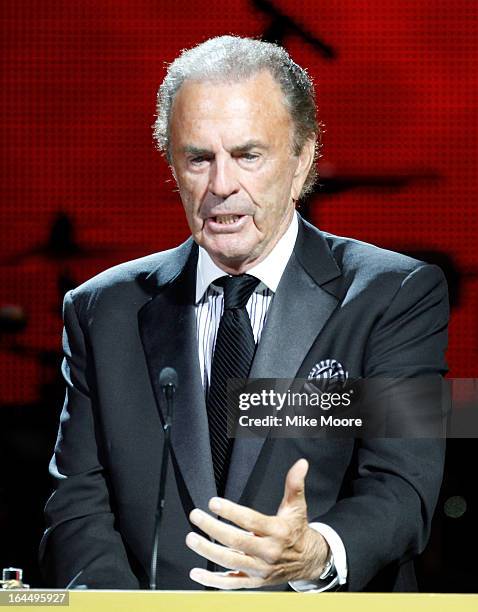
226, 223
227, 219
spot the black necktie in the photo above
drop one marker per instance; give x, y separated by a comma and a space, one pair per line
232, 358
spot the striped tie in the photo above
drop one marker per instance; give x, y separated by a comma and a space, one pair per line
232, 358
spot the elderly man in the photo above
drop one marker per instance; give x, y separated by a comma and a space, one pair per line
255, 292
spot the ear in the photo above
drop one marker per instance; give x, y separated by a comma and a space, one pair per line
305, 161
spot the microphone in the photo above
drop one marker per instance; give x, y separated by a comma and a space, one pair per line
168, 381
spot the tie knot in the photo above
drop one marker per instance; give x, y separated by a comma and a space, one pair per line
237, 290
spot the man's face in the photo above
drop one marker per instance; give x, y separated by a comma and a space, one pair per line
232, 159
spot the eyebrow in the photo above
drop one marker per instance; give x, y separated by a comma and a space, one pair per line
247, 146
196, 150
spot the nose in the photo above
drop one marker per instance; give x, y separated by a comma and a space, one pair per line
222, 179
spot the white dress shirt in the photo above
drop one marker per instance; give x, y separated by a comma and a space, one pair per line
209, 309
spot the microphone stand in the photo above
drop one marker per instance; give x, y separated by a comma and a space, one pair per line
168, 387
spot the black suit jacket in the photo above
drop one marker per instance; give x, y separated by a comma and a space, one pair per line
377, 312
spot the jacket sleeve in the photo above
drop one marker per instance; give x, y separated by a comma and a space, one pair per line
81, 534
384, 520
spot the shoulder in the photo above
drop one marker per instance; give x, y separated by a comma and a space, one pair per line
364, 266
136, 279
354, 255
384, 272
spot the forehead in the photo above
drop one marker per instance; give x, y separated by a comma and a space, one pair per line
251, 108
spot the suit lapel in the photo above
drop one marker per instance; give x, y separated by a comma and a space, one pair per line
305, 299
167, 326
302, 304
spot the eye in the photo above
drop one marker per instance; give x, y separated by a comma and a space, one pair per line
249, 157
199, 159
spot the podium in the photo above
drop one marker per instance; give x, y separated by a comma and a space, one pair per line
236, 601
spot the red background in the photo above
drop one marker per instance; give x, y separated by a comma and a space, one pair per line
78, 97
397, 94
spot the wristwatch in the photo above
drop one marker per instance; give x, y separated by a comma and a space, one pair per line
329, 568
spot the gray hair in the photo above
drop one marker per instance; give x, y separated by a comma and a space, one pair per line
232, 58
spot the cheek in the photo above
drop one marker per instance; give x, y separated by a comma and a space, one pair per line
191, 193
276, 178
272, 193
261, 188
190, 207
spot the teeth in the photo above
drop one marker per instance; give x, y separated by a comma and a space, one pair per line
227, 219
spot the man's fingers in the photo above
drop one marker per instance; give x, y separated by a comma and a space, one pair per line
229, 535
294, 489
225, 557
242, 516
225, 580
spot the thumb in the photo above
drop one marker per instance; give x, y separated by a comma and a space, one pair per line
294, 489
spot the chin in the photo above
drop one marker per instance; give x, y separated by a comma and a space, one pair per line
228, 248
230, 257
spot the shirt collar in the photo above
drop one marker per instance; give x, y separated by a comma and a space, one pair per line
269, 271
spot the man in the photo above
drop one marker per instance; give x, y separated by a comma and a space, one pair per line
257, 291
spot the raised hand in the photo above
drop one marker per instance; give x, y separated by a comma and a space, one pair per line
262, 550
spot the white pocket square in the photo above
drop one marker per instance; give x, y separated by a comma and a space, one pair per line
330, 372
